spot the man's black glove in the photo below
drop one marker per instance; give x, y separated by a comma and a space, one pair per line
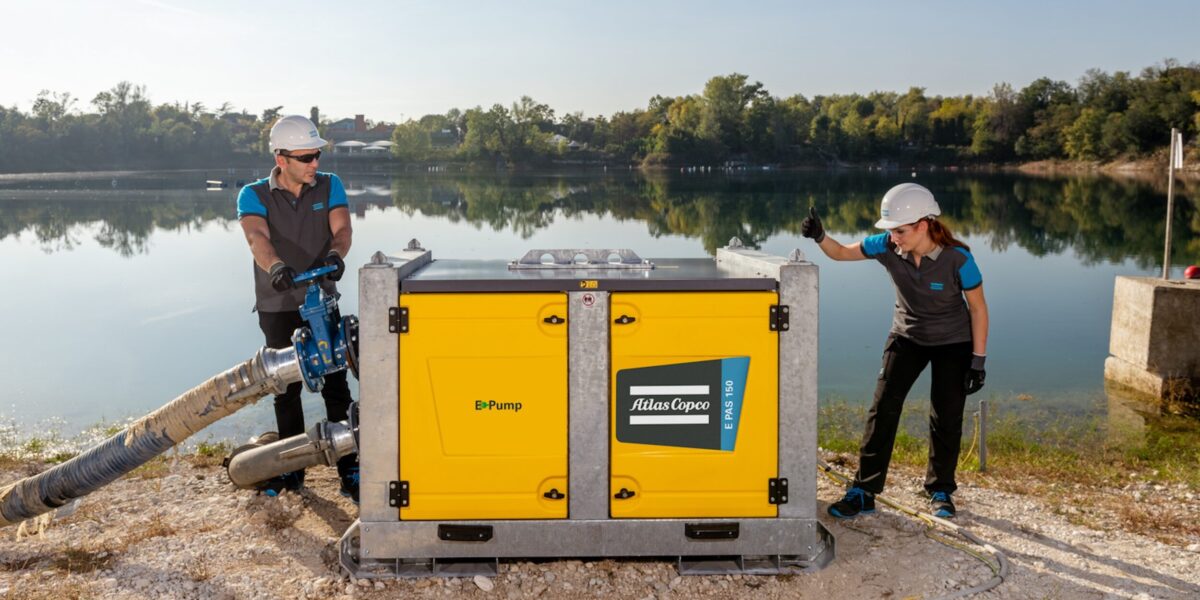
811, 227
333, 259
973, 380
283, 277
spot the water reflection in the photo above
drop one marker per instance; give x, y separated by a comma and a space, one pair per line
1100, 219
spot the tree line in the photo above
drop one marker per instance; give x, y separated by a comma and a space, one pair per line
732, 122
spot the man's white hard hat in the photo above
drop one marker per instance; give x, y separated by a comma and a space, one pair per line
295, 132
904, 204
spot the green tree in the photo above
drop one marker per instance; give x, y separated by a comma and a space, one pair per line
1083, 137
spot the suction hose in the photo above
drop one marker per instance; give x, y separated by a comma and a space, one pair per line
270, 371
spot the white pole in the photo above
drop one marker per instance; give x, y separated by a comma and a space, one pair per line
1170, 203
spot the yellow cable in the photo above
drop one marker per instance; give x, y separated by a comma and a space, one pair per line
974, 440
931, 522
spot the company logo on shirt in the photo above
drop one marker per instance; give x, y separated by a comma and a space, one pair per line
936, 286
318, 206
688, 405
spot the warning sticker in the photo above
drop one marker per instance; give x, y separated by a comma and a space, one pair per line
690, 405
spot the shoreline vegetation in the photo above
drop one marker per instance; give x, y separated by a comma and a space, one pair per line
1131, 450
1111, 123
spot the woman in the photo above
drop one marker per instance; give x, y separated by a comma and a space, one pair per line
932, 272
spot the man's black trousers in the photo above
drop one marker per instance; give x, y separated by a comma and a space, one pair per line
903, 361
289, 412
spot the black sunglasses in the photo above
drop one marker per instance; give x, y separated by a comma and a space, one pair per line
304, 158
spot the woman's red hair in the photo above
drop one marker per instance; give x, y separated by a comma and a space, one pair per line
942, 236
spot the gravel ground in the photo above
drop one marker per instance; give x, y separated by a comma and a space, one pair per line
180, 530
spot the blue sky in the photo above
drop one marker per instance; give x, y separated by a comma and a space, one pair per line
398, 60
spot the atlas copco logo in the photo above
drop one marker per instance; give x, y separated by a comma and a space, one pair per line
676, 405
493, 405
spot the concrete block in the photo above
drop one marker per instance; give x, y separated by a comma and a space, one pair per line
1155, 337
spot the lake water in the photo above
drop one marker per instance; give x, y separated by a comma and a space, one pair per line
122, 291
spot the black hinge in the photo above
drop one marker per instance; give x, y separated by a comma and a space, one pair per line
624, 494
398, 319
777, 490
624, 320
554, 320
779, 320
554, 494
398, 494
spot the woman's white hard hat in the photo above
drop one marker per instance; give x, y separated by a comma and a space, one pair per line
295, 132
904, 204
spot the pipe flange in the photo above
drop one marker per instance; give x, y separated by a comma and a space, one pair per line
352, 419
349, 328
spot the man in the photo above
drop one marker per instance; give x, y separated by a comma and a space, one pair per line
296, 220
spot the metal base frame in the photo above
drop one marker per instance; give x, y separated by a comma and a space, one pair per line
413, 549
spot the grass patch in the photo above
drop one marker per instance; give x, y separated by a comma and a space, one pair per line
210, 454
1024, 446
155, 468
1102, 476
78, 560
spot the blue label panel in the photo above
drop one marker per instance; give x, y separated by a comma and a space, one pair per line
733, 389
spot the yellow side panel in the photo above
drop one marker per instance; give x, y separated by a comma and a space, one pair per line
682, 444
483, 406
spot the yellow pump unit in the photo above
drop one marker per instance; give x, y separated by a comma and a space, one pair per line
587, 403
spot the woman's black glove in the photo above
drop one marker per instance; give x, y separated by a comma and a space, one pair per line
283, 277
333, 259
811, 227
973, 380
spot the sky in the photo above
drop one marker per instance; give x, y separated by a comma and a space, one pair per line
397, 60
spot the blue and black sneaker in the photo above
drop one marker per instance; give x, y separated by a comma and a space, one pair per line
941, 505
349, 487
857, 501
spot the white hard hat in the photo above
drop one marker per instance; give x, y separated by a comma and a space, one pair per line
904, 204
295, 132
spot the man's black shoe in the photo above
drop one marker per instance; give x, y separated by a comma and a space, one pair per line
291, 482
349, 487
941, 505
857, 501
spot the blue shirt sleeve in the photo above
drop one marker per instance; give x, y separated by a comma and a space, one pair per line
968, 273
249, 204
337, 192
875, 245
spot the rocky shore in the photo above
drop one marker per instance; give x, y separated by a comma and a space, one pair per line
179, 529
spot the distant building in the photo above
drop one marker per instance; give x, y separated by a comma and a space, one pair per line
356, 129
557, 140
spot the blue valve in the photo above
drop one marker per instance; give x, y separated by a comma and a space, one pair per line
326, 345
314, 274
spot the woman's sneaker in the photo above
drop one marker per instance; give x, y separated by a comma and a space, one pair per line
941, 505
857, 501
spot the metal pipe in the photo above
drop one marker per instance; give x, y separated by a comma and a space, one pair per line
270, 371
324, 444
1175, 141
983, 417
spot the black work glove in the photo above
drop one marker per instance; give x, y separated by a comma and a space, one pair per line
283, 277
333, 259
973, 380
811, 227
